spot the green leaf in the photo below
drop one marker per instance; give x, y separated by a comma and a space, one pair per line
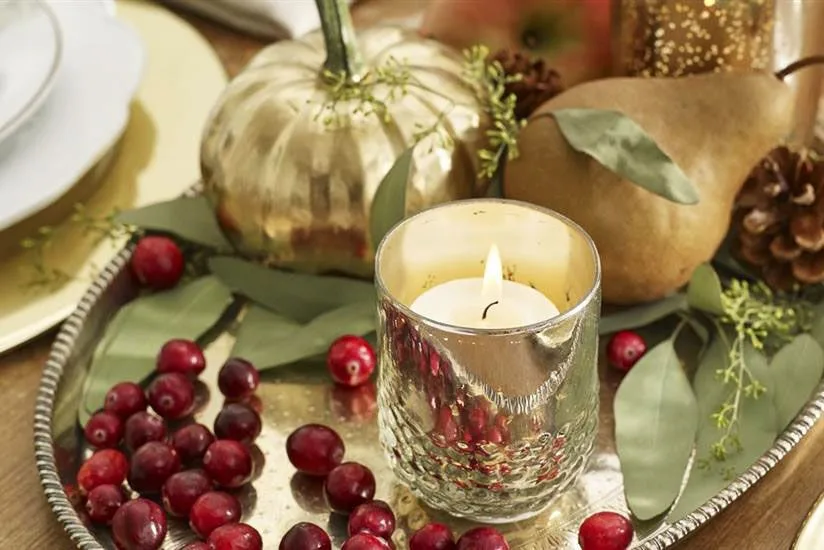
268, 340
132, 339
757, 428
622, 146
817, 329
296, 296
190, 218
704, 291
642, 315
799, 366
496, 182
656, 417
389, 202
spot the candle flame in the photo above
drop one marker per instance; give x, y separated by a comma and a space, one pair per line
493, 276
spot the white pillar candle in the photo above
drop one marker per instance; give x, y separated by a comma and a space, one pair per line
487, 303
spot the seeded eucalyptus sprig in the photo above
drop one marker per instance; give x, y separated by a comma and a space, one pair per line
393, 79
99, 229
760, 362
763, 320
490, 81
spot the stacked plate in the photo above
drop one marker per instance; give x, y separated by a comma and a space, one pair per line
68, 72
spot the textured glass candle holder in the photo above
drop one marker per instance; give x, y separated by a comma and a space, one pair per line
485, 424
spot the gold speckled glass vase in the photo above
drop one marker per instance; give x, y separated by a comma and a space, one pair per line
488, 424
682, 37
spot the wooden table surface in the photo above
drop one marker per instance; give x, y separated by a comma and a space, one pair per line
766, 518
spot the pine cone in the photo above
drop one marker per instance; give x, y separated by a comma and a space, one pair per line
538, 82
780, 219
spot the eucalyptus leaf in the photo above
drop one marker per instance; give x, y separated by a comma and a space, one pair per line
260, 326
656, 416
817, 329
757, 427
799, 366
297, 296
287, 344
134, 336
642, 315
190, 218
389, 203
704, 291
622, 146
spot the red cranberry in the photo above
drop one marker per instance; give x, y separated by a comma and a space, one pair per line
351, 360
446, 428
181, 356
197, 545
105, 467
365, 541
305, 536
228, 463
76, 497
315, 449
433, 536
139, 525
252, 401
191, 442
239, 422
605, 531
103, 430
235, 536
212, 510
476, 421
141, 428
171, 395
152, 464
157, 262
182, 489
482, 538
624, 349
374, 517
349, 485
238, 378
125, 399
103, 502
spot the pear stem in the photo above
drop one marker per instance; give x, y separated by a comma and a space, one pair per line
798, 65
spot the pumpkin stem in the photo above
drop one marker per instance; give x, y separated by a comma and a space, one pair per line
342, 54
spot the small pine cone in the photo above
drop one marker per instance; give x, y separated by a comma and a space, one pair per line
538, 83
779, 219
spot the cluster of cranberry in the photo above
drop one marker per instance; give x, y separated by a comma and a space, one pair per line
191, 470
349, 487
195, 472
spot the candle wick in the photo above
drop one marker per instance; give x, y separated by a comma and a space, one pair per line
486, 309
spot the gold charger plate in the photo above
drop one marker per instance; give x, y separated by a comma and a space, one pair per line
156, 159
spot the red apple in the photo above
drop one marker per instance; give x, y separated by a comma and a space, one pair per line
572, 35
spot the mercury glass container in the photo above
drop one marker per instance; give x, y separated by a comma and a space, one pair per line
488, 424
682, 37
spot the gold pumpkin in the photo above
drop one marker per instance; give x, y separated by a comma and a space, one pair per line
300, 140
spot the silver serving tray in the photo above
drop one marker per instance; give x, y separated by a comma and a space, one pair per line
291, 397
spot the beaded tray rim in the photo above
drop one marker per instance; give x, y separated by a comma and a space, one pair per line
64, 343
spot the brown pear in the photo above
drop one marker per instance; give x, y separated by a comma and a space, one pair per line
716, 127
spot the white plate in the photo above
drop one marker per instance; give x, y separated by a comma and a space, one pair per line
158, 159
30, 53
82, 118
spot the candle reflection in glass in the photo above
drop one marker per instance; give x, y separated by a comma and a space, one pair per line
488, 388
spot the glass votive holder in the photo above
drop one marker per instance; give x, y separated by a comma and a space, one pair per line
488, 332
